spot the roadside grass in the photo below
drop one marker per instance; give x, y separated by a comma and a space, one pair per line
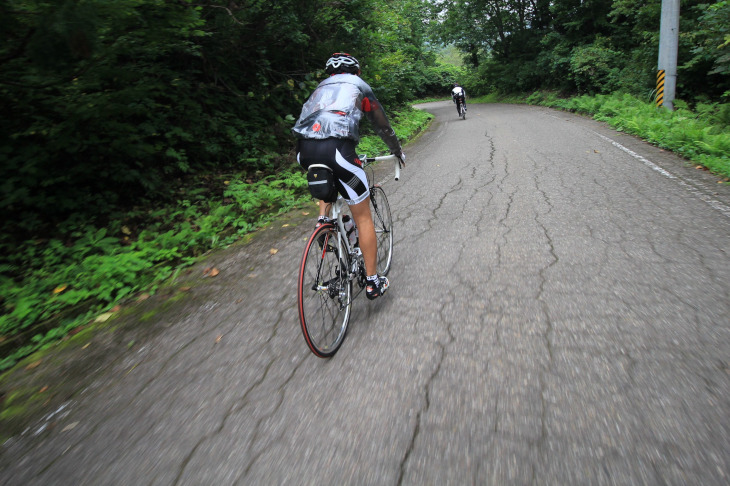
432, 99
701, 134
54, 287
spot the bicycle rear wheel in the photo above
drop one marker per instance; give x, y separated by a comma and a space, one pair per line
380, 209
325, 293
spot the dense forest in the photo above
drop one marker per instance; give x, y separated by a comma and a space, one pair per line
587, 46
114, 109
105, 102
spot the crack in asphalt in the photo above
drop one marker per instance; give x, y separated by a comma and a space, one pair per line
235, 407
268, 445
442, 347
240, 403
548, 333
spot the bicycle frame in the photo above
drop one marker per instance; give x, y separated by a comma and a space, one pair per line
355, 259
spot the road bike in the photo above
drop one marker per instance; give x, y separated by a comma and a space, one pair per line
462, 110
331, 266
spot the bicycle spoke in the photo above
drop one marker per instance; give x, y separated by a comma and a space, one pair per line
382, 220
325, 294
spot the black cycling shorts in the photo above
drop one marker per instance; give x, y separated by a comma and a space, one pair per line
339, 155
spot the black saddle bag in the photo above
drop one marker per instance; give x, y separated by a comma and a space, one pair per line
321, 181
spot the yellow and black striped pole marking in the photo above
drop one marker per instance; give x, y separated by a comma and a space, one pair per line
660, 75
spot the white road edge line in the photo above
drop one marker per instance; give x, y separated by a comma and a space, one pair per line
715, 204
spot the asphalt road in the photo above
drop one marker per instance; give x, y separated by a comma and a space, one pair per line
559, 313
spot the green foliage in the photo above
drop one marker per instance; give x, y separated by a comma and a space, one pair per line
93, 89
711, 44
595, 68
407, 123
392, 52
112, 100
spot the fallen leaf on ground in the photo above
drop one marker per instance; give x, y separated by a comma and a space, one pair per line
143, 297
44, 389
70, 426
214, 272
285, 225
184, 289
85, 346
305, 213
116, 308
34, 364
104, 317
218, 339
273, 251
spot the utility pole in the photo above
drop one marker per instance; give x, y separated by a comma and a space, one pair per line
666, 78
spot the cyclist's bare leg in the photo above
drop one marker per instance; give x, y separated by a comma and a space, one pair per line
366, 233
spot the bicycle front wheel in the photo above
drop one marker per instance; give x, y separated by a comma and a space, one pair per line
380, 209
325, 292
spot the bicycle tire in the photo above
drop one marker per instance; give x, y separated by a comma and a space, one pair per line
324, 292
383, 222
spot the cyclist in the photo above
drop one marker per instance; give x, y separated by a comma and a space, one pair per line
328, 132
458, 95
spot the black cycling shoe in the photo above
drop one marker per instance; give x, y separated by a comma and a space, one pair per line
375, 289
322, 221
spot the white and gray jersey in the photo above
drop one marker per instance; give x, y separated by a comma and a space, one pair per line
335, 108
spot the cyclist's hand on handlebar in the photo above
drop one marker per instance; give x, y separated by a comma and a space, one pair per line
402, 157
